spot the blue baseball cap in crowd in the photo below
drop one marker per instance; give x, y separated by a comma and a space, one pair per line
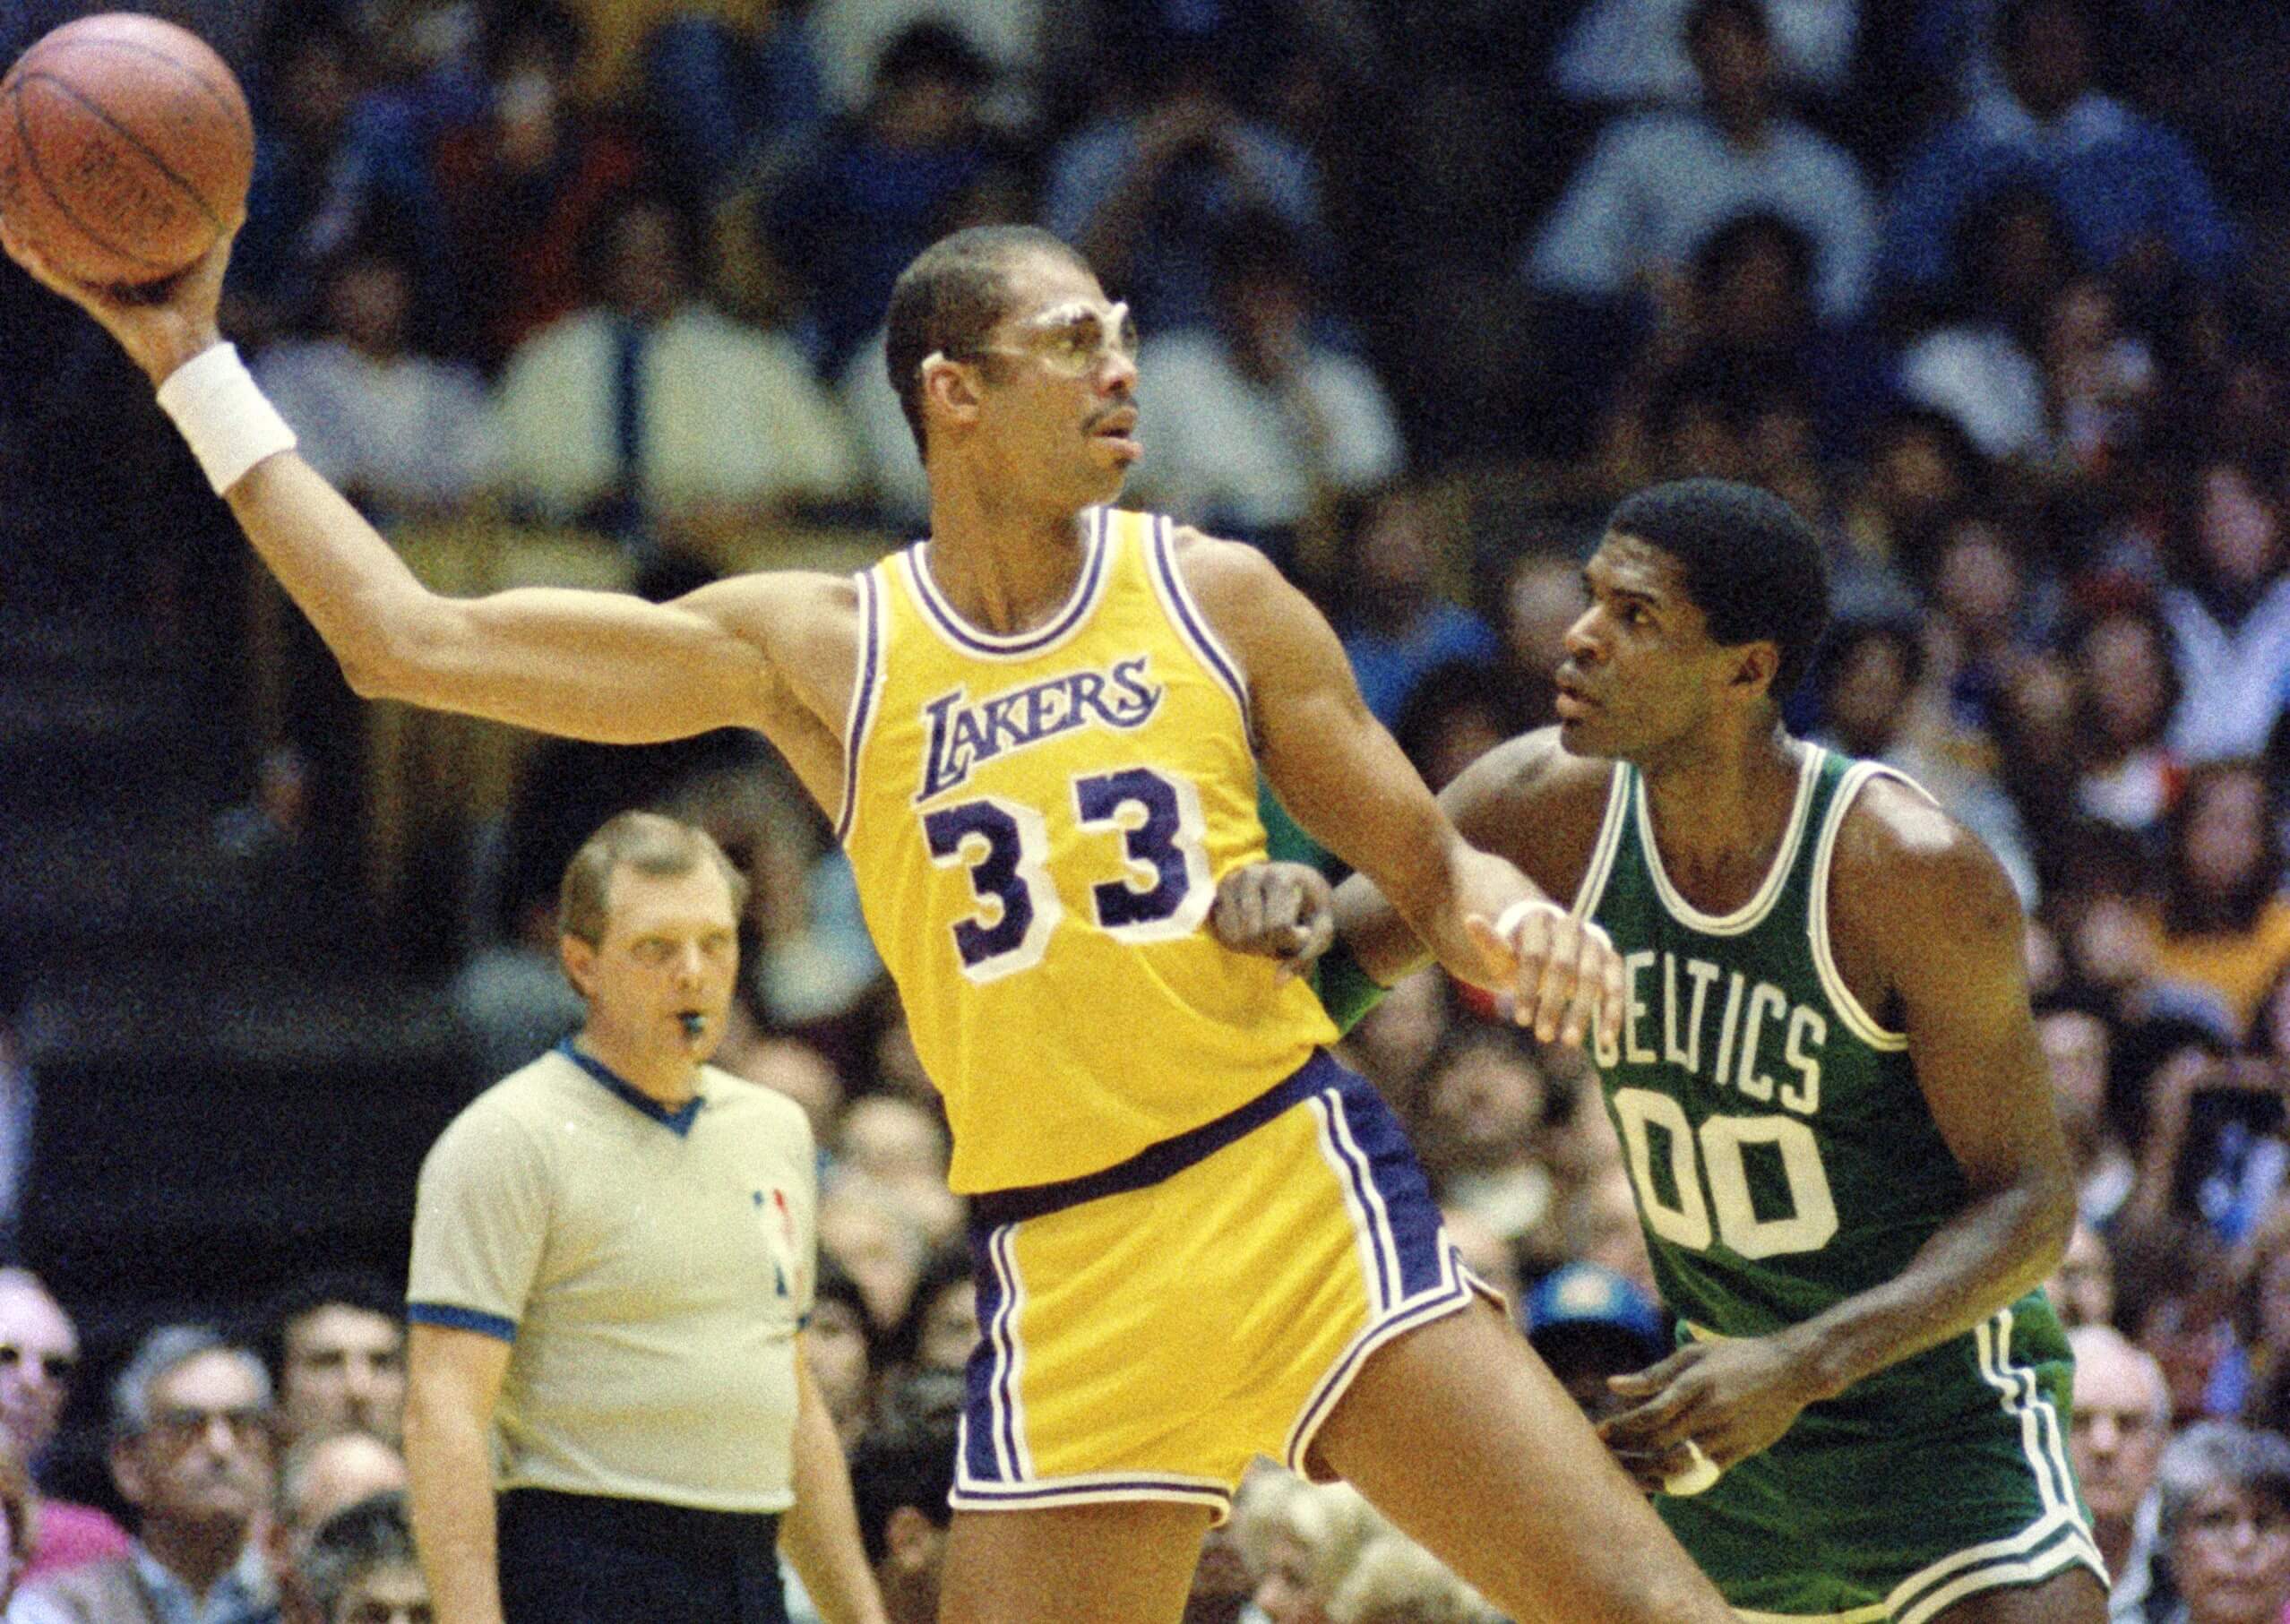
1588, 1296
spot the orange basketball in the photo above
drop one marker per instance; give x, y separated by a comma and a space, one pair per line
126, 147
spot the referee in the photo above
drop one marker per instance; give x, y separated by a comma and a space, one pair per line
610, 1416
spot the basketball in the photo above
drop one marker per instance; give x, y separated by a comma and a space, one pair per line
126, 147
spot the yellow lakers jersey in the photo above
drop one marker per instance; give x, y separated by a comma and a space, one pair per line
1037, 823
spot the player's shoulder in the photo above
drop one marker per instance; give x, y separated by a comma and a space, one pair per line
1219, 566
1903, 862
1534, 802
1534, 771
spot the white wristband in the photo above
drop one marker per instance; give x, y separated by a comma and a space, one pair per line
229, 425
1507, 921
1698, 1475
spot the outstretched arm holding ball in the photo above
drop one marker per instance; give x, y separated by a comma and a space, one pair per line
770, 651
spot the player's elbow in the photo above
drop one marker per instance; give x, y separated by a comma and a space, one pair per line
396, 658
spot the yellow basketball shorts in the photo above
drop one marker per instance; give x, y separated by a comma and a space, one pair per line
1146, 1331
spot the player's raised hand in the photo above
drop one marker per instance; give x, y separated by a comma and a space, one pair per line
1566, 977
160, 324
1276, 910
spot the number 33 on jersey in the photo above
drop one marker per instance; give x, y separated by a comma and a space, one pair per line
1037, 823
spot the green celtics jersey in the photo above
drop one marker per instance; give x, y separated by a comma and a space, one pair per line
1783, 1154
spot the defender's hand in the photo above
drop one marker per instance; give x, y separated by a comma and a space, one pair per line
1276, 910
160, 324
1563, 972
1731, 1398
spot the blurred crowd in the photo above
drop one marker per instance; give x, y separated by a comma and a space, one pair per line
1980, 286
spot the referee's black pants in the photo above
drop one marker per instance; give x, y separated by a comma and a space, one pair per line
585, 1558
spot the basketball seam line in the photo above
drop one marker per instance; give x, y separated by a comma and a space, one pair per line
32, 164
133, 140
231, 106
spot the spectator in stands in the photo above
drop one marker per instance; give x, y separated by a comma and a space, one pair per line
904, 1149
2127, 694
2079, 1049
191, 1452
1001, 195
363, 1568
1482, 1109
1874, 704
1398, 624
1542, 597
18, 1521
404, 436
1742, 310
317, 1477
1657, 185
1630, 53
1302, 1540
1396, 1581
868, 194
1981, 363
1923, 470
336, 1345
903, 1470
940, 1327
2223, 924
331, 160
648, 408
869, 1231
1456, 714
2224, 1521
553, 1339
1256, 427
2229, 610
39, 1353
1145, 193
728, 93
2082, 1289
1588, 1323
2121, 1420
2128, 191
523, 186
842, 1344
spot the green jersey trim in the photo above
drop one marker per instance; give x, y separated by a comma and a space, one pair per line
1593, 888
2055, 1542
1751, 914
1857, 1020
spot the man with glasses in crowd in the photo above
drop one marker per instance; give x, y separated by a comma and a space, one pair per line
191, 1452
39, 1352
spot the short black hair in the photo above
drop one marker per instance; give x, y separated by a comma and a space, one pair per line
1703, 13
949, 298
360, 1537
1724, 248
300, 1298
1752, 565
2013, 16
906, 1457
932, 51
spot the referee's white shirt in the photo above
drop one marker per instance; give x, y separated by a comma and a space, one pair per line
649, 1270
